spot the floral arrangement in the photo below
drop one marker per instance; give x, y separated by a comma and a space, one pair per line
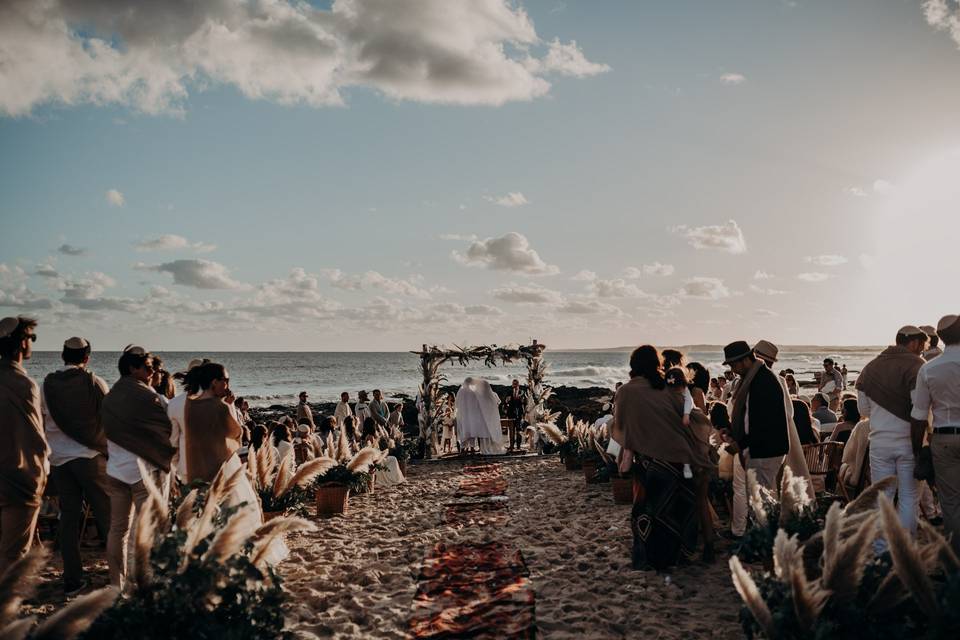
404, 449
343, 467
912, 591
279, 488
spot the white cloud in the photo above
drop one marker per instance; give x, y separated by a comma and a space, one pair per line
482, 310
526, 294
814, 277
856, 192
653, 269
46, 271
762, 275
152, 55
767, 292
766, 313
200, 274
616, 288
114, 197
867, 261
512, 199
828, 260
566, 59
943, 16
588, 307
70, 250
374, 280
509, 252
171, 242
733, 78
882, 187
726, 237
459, 237
704, 288
584, 276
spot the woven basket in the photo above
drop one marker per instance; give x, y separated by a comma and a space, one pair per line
589, 472
332, 499
571, 463
403, 467
622, 489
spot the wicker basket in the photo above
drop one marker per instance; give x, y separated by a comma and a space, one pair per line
332, 499
622, 489
589, 472
571, 463
403, 467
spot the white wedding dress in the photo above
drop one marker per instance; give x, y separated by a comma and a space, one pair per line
478, 416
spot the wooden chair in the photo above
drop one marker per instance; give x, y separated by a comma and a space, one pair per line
823, 462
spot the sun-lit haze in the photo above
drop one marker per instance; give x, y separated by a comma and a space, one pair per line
369, 175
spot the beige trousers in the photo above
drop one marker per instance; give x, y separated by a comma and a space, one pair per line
17, 525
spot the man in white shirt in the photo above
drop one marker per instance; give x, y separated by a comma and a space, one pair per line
938, 391
343, 409
175, 411
885, 396
70, 399
831, 383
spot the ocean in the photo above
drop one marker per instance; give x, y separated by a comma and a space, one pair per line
266, 378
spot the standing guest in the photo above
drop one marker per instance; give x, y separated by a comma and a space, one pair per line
934, 349
343, 408
792, 387
449, 420
759, 420
647, 422
843, 374
243, 410
303, 409
699, 384
715, 390
804, 422
820, 405
327, 425
138, 430
162, 381
175, 411
211, 431
515, 403
23, 448
850, 417
379, 410
885, 396
730, 382
395, 422
362, 409
938, 391
71, 398
831, 383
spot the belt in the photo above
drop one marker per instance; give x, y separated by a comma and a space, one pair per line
946, 431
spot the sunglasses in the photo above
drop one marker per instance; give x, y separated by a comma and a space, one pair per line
32, 337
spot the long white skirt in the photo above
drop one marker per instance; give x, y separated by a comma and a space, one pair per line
392, 475
245, 494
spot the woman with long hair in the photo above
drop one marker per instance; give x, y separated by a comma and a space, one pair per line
647, 423
804, 422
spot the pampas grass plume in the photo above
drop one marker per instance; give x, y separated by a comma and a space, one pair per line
750, 595
907, 561
73, 619
361, 462
18, 581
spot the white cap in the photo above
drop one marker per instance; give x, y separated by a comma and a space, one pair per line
76, 343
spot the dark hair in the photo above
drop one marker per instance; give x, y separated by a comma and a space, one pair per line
75, 356
828, 361
676, 377
201, 377
257, 435
280, 432
165, 386
238, 401
350, 427
851, 410
801, 417
934, 341
369, 428
645, 362
10, 345
719, 416
701, 377
130, 361
671, 358
328, 424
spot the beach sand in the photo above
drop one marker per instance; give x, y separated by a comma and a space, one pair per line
357, 575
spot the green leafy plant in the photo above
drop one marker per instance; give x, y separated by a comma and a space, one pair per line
404, 449
280, 489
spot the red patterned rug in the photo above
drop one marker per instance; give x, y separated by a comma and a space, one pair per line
476, 513
481, 481
474, 591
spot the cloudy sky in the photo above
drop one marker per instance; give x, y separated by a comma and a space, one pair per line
374, 174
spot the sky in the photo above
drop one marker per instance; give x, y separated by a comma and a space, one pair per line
378, 174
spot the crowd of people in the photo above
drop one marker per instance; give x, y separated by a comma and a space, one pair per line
98, 447
676, 429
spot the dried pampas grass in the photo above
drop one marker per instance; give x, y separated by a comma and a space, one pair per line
307, 471
844, 559
868, 497
553, 434
908, 562
269, 532
77, 617
748, 591
364, 459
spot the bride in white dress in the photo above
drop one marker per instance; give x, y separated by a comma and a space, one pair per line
478, 416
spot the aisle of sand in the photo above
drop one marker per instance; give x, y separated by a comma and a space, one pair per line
356, 576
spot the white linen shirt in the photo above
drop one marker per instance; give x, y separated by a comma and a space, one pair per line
342, 411
885, 428
938, 389
63, 448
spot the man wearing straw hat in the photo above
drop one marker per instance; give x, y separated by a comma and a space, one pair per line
23, 447
71, 399
938, 391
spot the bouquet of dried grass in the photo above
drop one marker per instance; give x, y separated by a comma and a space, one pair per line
202, 573
793, 513
352, 471
282, 490
911, 592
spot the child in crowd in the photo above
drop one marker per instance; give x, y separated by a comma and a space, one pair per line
677, 382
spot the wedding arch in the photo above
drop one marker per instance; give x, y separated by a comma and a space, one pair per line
433, 357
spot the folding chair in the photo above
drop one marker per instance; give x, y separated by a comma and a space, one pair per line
823, 462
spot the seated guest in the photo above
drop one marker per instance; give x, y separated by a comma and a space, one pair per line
851, 416
369, 434
327, 425
802, 418
281, 440
257, 435
855, 455
820, 405
792, 385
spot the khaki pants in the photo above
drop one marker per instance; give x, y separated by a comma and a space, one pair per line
78, 480
125, 502
946, 467
766, 469
17, 525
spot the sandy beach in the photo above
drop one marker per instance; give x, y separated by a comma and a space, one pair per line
357, 575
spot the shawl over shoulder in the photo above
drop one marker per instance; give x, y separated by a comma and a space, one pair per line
23, 446
134, 418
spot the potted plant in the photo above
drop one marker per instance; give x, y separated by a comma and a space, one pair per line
567, 444
403, 451
281, 490
333, 486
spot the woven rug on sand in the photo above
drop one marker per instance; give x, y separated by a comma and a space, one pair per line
474, 591
482, 483
490, 513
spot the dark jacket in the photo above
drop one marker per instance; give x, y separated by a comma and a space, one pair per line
768, 417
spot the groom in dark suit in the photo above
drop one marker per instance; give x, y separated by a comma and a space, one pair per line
516, 402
